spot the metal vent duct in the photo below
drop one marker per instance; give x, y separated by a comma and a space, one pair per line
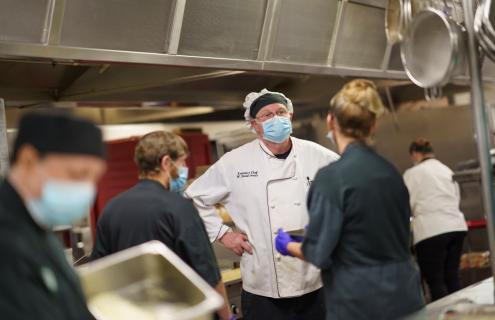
303, 33
118, 24
219, 28
128, 50
25, 20
343, 37
362, 41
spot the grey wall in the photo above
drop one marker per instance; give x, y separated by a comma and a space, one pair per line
449, 129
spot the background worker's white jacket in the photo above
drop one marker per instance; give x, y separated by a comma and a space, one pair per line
262, 194
435, 200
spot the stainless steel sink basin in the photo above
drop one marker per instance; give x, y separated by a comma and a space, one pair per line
148, 281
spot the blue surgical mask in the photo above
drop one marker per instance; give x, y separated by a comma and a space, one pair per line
62, 203
277, 129
179, 183
331, 138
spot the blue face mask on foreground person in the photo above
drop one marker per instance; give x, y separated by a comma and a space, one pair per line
62, 202
56, 162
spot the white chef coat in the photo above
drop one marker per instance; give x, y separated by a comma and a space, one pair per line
435, 199
262, 194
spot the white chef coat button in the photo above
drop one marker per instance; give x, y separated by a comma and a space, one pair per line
297, 203
295, 178
273, 207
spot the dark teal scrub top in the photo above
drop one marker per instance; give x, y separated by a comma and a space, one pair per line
359, 236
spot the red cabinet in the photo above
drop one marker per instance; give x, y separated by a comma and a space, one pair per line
122, 172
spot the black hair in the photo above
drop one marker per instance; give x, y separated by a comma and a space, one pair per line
421, 145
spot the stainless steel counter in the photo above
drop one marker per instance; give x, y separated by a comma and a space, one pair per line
479, 293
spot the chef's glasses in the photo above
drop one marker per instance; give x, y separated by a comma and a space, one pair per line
268, 115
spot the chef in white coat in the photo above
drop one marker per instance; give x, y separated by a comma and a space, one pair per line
439, 225
263, 185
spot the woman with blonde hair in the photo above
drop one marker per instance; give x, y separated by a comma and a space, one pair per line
358, 232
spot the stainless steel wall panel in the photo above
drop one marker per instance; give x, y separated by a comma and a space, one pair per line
362, 40
395, 61
25, 20
220, 28
118, 24
303, 31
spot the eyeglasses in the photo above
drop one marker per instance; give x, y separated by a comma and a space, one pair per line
269, 115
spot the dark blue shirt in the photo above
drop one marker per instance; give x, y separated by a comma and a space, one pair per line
148, 212
36, 281
359, 235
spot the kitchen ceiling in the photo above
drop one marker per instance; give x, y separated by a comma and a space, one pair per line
101, 54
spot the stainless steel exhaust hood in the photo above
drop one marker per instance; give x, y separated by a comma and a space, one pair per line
312, 36
190, 52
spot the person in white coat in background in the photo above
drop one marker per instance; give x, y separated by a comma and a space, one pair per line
439, 226
263, 185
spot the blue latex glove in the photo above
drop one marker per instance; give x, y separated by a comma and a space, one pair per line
282, 240
233, 317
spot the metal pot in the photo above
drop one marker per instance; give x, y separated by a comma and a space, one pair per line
394, 21
484, 40
488, 17
433, 51
398, 15
410, 7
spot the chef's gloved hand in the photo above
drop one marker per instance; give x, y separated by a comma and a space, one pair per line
282, 240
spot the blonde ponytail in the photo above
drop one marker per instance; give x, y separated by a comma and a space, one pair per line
361, 93
356, 107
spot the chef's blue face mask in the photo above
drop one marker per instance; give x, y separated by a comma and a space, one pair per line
178, 184
62, 203
277, 129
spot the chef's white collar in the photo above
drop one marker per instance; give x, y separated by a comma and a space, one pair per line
269, 153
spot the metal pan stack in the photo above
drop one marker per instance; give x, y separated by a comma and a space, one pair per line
433, 45
398, 16
484, 22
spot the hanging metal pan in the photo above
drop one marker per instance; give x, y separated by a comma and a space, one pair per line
488, 18
452, 8
478, 24
394, 21
398, 16
484, 40
433, 51
411, 8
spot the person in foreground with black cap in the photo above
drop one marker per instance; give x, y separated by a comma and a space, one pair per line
56, 162
263, 185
